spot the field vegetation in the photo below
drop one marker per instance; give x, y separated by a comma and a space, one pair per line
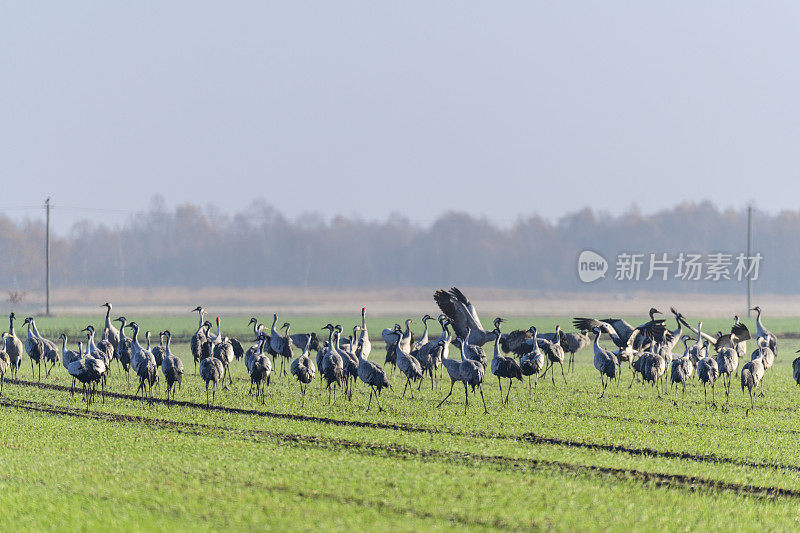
556, 457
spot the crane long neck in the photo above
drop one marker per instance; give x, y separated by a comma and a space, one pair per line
201, 315
136, 337
11, 324
108, 316
364, 320
64, 344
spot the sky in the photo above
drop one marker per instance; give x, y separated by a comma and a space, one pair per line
499, 109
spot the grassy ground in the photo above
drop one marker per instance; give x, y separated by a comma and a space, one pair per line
555, 458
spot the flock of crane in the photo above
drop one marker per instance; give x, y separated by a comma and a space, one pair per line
648, 349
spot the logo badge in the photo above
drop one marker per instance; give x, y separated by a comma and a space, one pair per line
591, 266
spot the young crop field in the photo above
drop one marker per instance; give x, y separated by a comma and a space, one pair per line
556, 457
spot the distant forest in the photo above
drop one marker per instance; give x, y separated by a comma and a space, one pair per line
199, 246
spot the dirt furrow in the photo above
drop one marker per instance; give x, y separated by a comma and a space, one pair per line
531, 438
679, 481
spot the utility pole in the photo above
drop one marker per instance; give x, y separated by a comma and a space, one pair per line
749, 260
47, 255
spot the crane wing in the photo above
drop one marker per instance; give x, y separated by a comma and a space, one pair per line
456, 308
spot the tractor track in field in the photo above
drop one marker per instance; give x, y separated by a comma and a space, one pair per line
677, 481
529, 438
382, 505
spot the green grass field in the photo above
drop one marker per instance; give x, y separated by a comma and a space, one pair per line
559, 458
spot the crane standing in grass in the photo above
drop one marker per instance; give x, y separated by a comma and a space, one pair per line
504, 367
532, 363
13, 347
303, 369
5, 361
604, 361
372, 374
171, 367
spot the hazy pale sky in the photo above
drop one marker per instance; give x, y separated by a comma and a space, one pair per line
496, 108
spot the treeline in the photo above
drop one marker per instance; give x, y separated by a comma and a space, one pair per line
196, 246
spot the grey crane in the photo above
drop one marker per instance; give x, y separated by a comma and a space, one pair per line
49, 353
429, 354
260, 373
143, 364
5, 361
372, 374
532, 363
159, 351
68, 356
408, 365
767, 356
604, 361
796, 369
303, 370
332, 365
708, 371
124, 348
554, 354
573, 343
199, 337
407, 340
350, 361
761, 331
110, 330
727, 363
422, 341
171, 367
504, 367
106, 353
366, 345
680, 372
155, 358
474, 352
35, 348
251, 353
697, 351
390, 340
453, 369
463, 316
737, 339
225, 350
653, 367
106, 346
211, 370
628, 352
14, 347
620, 331
88, 370
280, 345
752, 374
472, 373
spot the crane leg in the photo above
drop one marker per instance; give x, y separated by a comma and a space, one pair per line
466, 398
508, 391
603, 384
562, 372
485, 410
378, 401
501, 388
448, 394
